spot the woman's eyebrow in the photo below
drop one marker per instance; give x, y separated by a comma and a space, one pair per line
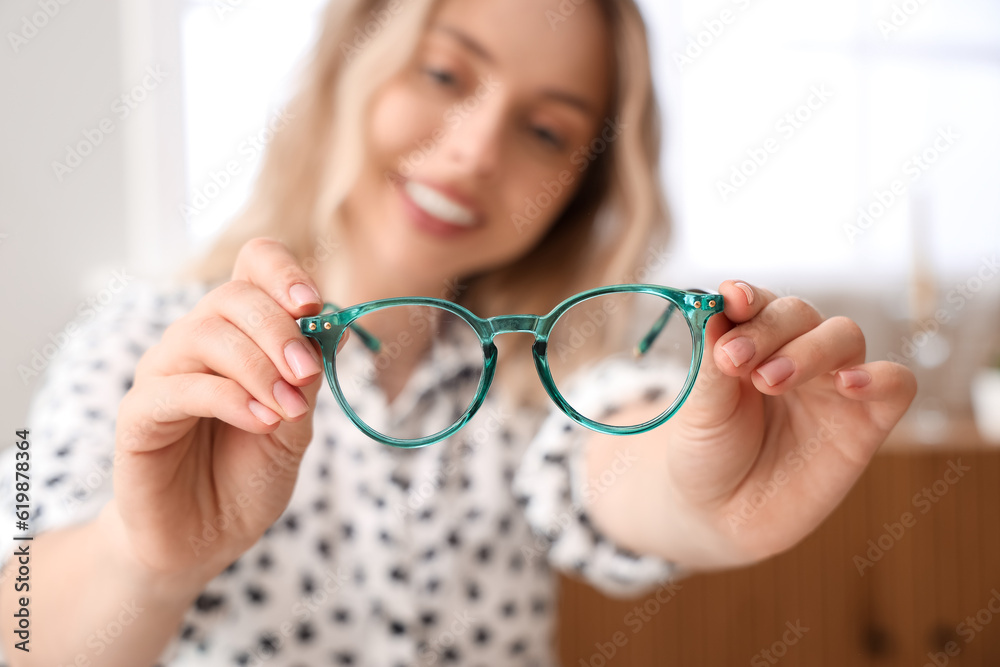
570, 99
476, 48
467, 41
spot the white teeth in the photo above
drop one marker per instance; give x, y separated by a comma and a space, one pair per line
438, 205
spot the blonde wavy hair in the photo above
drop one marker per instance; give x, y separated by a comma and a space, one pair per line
311, 165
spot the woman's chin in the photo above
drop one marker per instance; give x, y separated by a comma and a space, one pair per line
417, 270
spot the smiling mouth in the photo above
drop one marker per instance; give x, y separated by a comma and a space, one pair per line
437, 205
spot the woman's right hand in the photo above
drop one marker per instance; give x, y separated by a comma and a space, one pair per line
211, 434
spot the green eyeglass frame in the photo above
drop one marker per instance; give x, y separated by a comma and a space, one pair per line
696, 307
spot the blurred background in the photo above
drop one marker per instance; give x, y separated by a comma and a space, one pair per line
132, 131
844, 152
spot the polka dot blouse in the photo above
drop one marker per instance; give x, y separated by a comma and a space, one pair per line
384, 557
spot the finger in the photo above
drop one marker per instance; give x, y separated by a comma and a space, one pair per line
269, 265
888, 387
833, 344
714, 393
163, 409
248, 310
743, 300
296, 435
268, 325
742, 348
215, 345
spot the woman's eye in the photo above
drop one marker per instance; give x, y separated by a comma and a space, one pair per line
549, 137
444, 77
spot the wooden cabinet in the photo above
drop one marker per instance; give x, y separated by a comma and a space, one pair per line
909, 562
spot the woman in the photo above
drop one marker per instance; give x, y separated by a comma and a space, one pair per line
250, 522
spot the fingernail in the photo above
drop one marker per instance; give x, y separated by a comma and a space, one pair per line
263, 413
302, 295
855, 378
748, 291
289, 399
740, 350
299, 359
776, 370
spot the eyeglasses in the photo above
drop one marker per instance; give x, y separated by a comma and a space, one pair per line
614, 359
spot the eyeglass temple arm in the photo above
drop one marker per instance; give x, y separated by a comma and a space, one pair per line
370, 341
642, 347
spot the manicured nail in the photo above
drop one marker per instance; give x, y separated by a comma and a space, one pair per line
776, 370
748, 291
855, 378
289, 399
300, 360
263, 413
302, 295
740, 350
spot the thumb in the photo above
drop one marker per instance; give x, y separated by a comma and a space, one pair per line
296, 435
715, 395
715, 436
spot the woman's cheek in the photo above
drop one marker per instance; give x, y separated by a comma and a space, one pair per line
389, 137
542, 197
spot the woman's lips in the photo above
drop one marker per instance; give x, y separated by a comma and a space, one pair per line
436, 213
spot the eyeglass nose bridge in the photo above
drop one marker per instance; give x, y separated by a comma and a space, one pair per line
513, 324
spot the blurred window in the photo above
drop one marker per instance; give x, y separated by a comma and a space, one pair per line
805, 142
239, 59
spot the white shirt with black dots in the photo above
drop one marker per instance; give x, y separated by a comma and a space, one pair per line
384, 557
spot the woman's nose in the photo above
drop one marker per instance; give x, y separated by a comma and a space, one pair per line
474, 140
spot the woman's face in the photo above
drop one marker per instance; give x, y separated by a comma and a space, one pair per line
477, 145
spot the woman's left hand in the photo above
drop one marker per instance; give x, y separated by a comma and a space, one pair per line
783, 419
